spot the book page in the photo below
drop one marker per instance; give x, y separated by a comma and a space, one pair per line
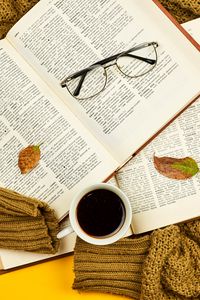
156, 200
113, 181
30, 113
59, 38
193, 28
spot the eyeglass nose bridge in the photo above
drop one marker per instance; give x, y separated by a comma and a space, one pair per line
111, 64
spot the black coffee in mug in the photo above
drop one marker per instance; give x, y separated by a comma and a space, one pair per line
100, 213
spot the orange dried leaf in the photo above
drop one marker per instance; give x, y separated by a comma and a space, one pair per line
176, 168
28, 158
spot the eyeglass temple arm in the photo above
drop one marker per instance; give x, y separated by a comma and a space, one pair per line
147, 60
79, 86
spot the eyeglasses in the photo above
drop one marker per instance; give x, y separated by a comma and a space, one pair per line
91, 81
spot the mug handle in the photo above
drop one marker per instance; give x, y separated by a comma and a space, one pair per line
67, 230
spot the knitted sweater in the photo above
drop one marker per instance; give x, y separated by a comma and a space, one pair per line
164, 265
27, 224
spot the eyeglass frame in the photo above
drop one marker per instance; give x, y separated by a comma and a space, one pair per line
101, 63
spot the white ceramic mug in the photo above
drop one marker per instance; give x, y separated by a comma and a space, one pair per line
103, 240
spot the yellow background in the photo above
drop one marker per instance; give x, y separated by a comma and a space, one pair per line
49, 281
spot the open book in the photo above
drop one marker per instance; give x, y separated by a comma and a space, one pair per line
79, 147
156, 200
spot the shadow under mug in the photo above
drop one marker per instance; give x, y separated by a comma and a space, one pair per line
103, 239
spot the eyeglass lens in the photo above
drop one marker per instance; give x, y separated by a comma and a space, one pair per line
138, 62
89, 84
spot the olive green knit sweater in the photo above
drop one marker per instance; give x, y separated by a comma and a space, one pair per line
164, 265
27, 224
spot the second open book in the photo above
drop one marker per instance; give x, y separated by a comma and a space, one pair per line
86, 141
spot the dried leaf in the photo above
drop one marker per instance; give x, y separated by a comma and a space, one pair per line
176, 168
29, 158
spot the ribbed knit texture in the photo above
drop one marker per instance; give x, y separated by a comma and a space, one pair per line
115, 268
172, 268
162, 266
12, 10
27, 224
